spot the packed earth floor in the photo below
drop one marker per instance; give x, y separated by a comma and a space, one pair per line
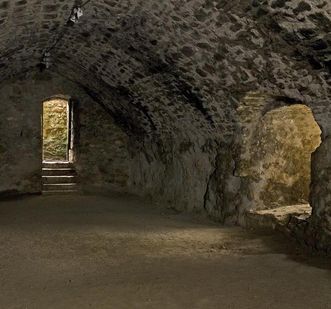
121, 252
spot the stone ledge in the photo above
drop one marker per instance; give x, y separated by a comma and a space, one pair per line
294, 221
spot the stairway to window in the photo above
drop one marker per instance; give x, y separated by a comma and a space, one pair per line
59, 178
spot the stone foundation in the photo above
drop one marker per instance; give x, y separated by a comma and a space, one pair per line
174, 100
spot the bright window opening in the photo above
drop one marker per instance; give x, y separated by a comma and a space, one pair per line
56, 131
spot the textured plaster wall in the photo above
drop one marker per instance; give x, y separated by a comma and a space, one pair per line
55, 130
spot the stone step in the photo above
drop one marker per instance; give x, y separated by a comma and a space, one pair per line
277, 217
60, 187
59, 192
57, 165
58, 179
58, 172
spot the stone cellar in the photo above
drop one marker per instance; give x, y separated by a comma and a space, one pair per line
165, 137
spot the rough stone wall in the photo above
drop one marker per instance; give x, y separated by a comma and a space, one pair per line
174, 173
255, 170
55, 130
177, 65
319, 228
175, 72
21, 144
280, 157
103, 160
225, 195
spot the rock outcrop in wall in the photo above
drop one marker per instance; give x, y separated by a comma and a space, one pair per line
278, 162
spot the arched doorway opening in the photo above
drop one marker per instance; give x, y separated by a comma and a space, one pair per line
57, 130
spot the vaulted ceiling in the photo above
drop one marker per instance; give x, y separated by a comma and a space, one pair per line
169, 66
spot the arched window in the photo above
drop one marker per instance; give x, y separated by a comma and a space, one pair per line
57, 129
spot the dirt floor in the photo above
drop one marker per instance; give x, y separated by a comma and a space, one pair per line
116, 252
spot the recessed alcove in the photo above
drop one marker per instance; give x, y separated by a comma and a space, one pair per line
279, 167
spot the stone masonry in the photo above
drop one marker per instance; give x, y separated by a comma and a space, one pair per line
168, 93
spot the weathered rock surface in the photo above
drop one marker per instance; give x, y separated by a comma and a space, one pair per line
174, 78
277, 157
320, 197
